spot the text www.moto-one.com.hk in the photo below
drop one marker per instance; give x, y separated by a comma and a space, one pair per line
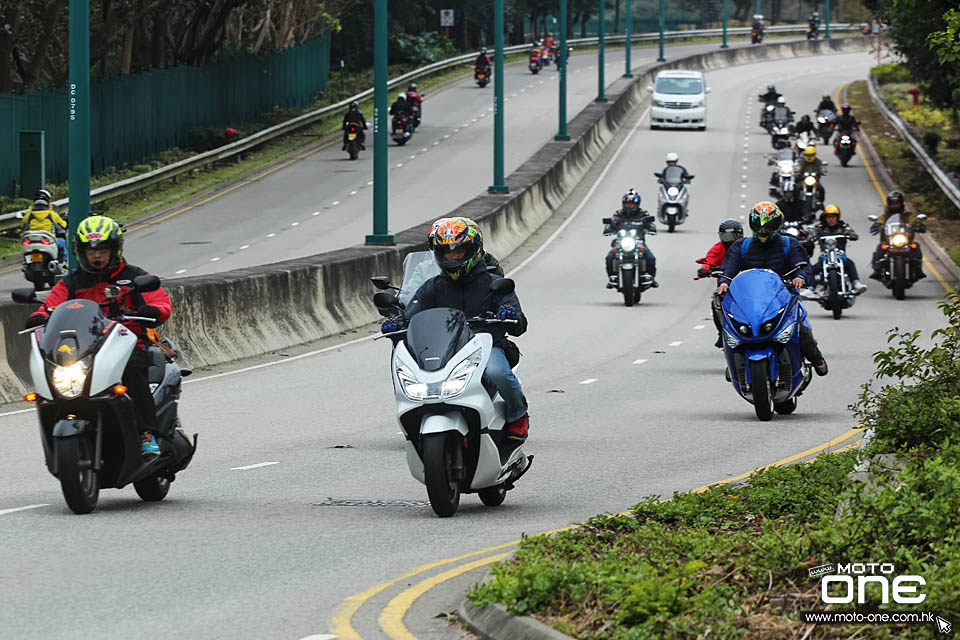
876, 617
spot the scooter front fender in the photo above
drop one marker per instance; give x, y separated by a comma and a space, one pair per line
443, 422
759, 355
70, 427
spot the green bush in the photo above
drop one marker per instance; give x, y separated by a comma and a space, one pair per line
931, 140
420, 49
201, 139
887, 73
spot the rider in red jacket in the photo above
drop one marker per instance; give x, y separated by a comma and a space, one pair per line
730, 230
98, 245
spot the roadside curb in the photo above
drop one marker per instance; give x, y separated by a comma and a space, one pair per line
494, 623
927, 240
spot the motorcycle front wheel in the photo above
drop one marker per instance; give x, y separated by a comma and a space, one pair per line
760, 384
78, 479
834, 302
629, 297
440, 454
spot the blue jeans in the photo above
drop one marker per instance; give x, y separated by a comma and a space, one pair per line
62, 246
651, 262
848, 266
501, 377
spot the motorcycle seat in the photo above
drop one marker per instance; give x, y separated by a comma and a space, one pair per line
157, 367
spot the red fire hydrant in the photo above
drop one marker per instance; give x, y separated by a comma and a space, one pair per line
915, 92
231, 134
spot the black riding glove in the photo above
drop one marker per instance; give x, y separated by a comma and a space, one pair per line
36, 320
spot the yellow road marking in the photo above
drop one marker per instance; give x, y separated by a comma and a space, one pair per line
391, 618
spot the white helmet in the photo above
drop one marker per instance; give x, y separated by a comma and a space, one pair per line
781, 101
672, 157
402, 96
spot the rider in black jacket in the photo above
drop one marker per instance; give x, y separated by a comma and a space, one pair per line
826, 102
465, 284
354, 115
768, 249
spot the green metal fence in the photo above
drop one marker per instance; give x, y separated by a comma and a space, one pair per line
135, 116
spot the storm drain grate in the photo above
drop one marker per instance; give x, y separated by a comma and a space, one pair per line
371, 503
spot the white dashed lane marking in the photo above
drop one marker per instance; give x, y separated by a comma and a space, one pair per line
214, 259
176, 273
640, 361
676, 343
4, 512
253, 466
698, 327
588, 381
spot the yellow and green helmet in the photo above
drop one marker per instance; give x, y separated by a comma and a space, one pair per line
765, 220
96, 232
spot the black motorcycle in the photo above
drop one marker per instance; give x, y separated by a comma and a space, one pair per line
800, 232
845, 146
781, 127
825, 120
353, 140
481, 75
630, 262
402, 130
87, 421
897, 243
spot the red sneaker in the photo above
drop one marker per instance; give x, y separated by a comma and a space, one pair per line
518, 429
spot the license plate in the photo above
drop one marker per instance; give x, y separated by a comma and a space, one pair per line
399, 131
36, 256
352, 136
677, 119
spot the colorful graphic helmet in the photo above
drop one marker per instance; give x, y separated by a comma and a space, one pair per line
730, 231
95, 232
432, 233
765, 220
810, 153
457, 233
630, 202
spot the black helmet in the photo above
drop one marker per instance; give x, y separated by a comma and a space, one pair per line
43, 194
770, 87
804, 118
730, 230
354, 106
895, 202
845, 109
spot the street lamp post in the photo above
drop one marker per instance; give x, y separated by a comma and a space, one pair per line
826, 17
380, 220
660, 58
499, 185
627, 32
601, 29
79, 123
562, 66
724, 18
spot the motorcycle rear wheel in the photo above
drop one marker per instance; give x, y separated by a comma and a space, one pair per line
492, 496
353, 151
152, 489
760, 383
834, 302
439, 455
78, 479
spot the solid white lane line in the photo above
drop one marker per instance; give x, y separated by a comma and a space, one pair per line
586, 198
676, 343
588, 381
253, 466
4, 512
698, 327
640, 361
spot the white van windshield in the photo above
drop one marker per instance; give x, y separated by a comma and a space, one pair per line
686, 86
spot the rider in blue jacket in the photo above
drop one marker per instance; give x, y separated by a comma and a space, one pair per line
768, 249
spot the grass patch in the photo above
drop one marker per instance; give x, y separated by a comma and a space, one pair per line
922, 192
734, 561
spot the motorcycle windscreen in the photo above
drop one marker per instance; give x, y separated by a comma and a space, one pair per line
673, 175
755, 296
435, 335
418, 267
781, 114
826, 113
894, 224
74, 329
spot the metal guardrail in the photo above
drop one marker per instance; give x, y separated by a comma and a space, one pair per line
9, 220
947, 184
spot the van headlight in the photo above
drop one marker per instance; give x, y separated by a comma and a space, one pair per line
454, 385
628, 243
656, 103
68, 380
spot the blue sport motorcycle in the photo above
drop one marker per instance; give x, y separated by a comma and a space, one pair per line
761, 341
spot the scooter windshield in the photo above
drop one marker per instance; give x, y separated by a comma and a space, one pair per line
673, 176
781, 114
74, 330
827, 114
418, 267
435, 335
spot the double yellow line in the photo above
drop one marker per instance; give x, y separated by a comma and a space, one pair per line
391, 617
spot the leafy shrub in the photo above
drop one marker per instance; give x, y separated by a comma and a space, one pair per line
923, 117
931, 140
201, 139
886, 73
420, 49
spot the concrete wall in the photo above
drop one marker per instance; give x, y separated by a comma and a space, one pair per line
248, 312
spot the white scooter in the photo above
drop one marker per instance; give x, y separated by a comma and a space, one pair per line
39, 256
673, 199
452, 423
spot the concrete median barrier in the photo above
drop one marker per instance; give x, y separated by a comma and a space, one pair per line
248, 312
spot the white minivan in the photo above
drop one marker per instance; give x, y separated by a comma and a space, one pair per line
679, 100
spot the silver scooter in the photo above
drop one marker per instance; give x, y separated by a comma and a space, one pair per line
673, 199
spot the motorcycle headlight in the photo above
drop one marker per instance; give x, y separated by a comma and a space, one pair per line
785, 335
731, 340
898, 240
628, 243
457, 381
69, 380
769, 107
810, 181
744, 329
821, 120
792, 231
673, 192
411, 387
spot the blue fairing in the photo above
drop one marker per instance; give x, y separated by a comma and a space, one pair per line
758, 297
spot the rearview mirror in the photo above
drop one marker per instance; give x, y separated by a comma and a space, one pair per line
503, 286
650, 88
607, 220
380, 282
145, 284
873, 218
24, 296
921, 217
708, 89
387, 304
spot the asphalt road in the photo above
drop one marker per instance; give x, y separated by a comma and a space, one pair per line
625, 403
324, 201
